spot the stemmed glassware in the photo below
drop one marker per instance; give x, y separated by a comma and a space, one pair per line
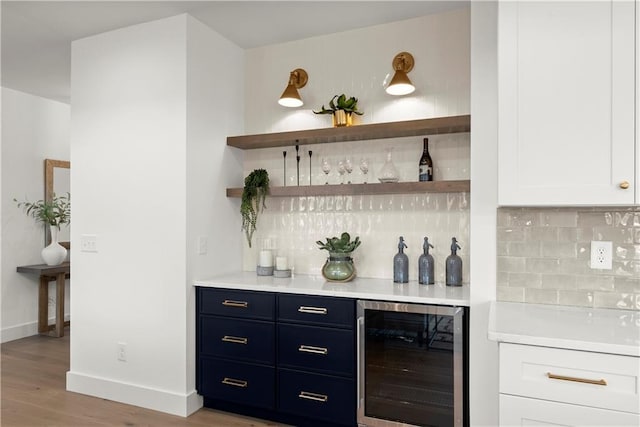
326, 168
348, 166
364, 167
341, 170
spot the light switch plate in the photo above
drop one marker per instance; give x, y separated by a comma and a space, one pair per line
89, 243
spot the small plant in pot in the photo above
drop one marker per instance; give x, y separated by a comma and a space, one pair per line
341, 109
339, 266
54, 213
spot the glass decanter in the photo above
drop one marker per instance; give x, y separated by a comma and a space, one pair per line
388, 173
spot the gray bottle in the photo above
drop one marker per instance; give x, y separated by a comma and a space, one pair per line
453, 265
425, 265
401, 264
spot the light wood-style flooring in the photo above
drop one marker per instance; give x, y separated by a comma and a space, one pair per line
33, 394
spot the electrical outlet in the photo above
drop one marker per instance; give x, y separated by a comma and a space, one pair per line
122, 351
89, 243
601, 255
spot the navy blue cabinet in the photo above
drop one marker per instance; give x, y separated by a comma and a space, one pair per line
285, 357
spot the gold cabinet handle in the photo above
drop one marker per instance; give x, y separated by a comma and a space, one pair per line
234, 382
575, 379
312, 310
313, 396
312, 349
624, 185
235, 340
232, 303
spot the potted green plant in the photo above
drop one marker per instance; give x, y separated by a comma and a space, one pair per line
341, 109
339, 266
54, 213
254, 195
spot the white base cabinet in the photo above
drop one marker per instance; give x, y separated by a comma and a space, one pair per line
522, 411
566, 103
553, 386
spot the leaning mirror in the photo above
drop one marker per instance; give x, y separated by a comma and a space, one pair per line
57, 180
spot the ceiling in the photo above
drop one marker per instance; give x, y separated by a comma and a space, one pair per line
37, 35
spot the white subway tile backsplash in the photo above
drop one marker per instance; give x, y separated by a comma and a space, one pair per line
510, 294
561, 273
540, 296
575, 298
295, 224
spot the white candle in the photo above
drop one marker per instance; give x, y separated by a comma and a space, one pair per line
281, 263
265, 260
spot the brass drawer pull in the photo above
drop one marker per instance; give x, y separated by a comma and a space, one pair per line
575, 379
312, 310
313, 396
235, 340
624, 185
234, 382
312, 349
232, 303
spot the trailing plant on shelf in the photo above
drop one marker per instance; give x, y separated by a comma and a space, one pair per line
341, 102
254, 195
53, 213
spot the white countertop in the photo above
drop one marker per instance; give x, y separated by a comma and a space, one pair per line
360, 288
590, 329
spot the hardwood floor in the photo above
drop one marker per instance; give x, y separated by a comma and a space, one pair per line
33, 394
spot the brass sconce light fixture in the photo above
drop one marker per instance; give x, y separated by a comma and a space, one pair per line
290, 97
400, 83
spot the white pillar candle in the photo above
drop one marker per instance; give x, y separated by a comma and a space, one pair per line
265, 260
281, 263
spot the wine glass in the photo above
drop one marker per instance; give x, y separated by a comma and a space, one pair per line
348, 166
364, 167
341, 170
326, 168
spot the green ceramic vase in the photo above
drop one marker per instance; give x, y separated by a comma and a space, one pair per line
339, 267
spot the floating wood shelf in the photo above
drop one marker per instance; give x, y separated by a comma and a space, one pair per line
439, 125
364, 189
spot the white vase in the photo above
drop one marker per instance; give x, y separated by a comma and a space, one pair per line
54, 254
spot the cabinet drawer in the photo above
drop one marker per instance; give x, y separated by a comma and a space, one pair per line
579, 377
238, 339
236, 382
317, 396
319, 349
223, 302
521, 411
324, 311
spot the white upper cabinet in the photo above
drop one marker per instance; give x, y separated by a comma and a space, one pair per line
566, 103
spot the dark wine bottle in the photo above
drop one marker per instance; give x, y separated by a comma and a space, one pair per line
426, 164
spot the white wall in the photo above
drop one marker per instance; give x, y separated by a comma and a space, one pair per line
215, 101
483, 361
33, 129
356, 63
145, 183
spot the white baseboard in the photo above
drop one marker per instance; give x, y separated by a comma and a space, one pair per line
24, 330
158, 400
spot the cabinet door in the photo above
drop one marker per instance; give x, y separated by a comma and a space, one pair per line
566, 103
522, 411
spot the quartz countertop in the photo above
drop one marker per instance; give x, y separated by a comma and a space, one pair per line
359, 288
576, 328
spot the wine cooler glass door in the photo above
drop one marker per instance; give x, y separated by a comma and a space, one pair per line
411, 364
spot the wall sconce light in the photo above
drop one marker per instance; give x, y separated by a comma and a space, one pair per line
290, 97
400, 83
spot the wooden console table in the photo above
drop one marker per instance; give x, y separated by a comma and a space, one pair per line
47, 274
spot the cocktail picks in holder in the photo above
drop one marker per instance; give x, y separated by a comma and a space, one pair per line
284, 159
298, 162
310, 153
